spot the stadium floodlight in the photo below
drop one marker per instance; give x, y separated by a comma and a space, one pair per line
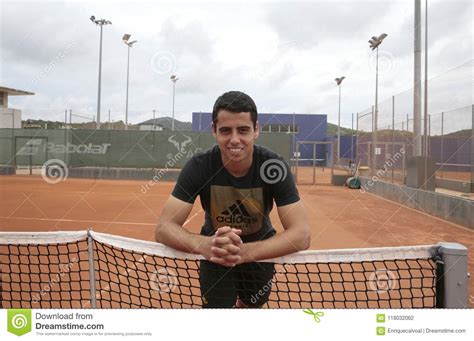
374, 45
376, 41
173, 79
338, 82
101, 23
129, 44
126, 37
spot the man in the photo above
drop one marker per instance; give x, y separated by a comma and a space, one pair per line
237, 182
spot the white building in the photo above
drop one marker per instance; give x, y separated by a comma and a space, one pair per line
9, 117
156, 127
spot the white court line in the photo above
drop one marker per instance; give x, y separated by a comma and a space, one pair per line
94, 221
81, 221
193, 216
83, 192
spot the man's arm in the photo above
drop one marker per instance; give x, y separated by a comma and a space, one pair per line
170, 231
296, 237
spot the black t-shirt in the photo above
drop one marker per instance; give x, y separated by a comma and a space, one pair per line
243, 202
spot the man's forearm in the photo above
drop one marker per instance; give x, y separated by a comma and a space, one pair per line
281, 244
177, 237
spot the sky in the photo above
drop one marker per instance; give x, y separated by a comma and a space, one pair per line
285, 55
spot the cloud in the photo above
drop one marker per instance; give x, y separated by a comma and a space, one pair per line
286, 55
308, 24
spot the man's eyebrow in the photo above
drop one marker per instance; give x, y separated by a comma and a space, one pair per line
239, 127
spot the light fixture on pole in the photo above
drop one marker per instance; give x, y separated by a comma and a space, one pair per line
374, 45
129, 44
101, 23
338, 82
173, 79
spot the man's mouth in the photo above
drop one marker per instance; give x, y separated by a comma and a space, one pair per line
235, 150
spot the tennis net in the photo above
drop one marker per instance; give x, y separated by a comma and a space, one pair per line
86, 269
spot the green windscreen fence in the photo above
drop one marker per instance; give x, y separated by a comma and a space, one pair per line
115, 148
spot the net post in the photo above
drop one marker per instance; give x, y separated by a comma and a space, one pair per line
453, 279
90, 249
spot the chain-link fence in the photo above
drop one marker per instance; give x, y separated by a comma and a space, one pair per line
387, 140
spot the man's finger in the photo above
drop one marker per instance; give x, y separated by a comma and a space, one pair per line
232, 258
225, 250
234, 237
233, 249
221, 241
222, 262
223, 230
228, 261
219, 252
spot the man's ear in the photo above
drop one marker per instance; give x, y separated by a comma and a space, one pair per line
214, 131
257, 130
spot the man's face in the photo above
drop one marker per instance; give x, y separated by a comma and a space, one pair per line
235, 135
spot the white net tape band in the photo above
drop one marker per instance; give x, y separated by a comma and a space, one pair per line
152, 248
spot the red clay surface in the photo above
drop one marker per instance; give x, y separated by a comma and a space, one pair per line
339, 217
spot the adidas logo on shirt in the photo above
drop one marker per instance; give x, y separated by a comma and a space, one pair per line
236, 214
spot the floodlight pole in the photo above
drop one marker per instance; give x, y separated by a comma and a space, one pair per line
129, 44
100, 23
128, 79
339, 82
417, 144
173, 79
374, 44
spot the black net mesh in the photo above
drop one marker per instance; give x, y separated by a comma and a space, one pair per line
44, 276
57, 276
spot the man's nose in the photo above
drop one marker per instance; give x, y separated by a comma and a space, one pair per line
235, 137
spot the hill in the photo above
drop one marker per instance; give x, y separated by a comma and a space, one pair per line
165, 122
332, 130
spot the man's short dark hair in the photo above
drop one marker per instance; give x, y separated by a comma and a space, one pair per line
236, 102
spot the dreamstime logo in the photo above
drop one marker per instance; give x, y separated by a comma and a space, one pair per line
173, 160
19, 321
268, 286
381, 172
163, 62
382, 280
63, 269
54, 171
273, 171
268, 69
53, 63
387, 62
164, 280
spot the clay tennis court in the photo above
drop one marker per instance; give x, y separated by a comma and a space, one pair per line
340, 218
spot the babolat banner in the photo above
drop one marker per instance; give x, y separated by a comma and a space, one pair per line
115, 148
